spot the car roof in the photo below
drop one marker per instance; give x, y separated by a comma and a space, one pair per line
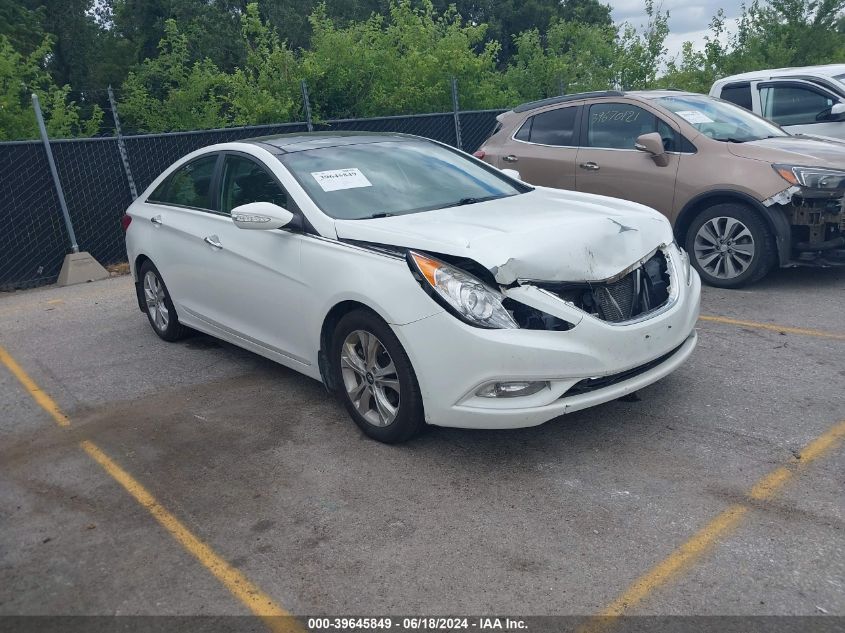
303, 141
533, 105
828, 70
637, 94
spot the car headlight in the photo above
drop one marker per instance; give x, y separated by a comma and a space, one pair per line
812, 177
464, 295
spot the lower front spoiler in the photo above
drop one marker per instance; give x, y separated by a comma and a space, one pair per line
488, 418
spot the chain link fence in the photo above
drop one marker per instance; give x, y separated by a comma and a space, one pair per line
33, 238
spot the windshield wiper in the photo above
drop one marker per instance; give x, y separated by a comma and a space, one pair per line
375, 216
465, 201
731, 139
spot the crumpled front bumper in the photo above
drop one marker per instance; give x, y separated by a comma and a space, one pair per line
452, 360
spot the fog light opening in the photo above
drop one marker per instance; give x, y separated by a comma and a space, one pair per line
512, 389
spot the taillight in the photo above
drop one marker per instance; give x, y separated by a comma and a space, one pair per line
479, 153
125, 221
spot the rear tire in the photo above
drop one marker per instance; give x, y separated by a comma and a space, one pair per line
159, 306
375, 379
730, 245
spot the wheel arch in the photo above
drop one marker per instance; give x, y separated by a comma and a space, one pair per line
774, 218
136, 275
330, 321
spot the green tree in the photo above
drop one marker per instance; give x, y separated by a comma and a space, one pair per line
400, 63
266, 89
172, 92
20, 76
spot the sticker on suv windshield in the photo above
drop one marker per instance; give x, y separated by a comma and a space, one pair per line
337, 179
694, 116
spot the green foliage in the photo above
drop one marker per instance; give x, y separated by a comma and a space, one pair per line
20, 76
170, 92
193, 64
400, 63
266, 89
778, 34
577, 56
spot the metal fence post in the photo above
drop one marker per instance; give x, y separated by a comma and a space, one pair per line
61, 194
457, 114
121, 146
306, 105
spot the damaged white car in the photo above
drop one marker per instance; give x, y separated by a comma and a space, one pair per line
420, 284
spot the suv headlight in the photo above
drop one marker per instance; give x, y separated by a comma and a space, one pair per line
467, 297
812, 177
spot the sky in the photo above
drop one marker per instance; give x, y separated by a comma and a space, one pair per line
687, 20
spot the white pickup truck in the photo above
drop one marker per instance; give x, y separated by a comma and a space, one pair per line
808, 100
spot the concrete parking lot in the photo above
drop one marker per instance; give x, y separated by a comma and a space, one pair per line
719, 492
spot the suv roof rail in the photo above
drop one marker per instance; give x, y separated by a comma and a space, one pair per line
531, 105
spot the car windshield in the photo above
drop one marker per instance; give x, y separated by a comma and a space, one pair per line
393, 177
720, 120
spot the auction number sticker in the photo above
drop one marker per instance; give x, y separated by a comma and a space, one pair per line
337, 179
694, 116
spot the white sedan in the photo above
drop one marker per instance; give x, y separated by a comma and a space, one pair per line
418, 283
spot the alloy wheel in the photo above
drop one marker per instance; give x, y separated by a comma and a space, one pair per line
724, 247
154, 296
370, 378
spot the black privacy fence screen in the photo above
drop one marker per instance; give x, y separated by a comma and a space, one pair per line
33, 237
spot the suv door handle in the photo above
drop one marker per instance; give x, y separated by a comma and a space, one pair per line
156, 219
213, 240
510, 158
590, 166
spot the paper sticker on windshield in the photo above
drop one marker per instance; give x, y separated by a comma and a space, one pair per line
694, 116
337, 179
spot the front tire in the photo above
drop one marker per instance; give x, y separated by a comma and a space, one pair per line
375, 379
159, 306
730, 246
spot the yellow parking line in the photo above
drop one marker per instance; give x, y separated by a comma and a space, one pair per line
775, 328
275, 617
685, 555
40, 396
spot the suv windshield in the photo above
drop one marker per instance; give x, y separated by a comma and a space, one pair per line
720, 120
393, 177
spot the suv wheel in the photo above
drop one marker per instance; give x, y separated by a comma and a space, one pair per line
730, 245
376, 381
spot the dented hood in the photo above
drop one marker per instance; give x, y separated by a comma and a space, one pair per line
545, 234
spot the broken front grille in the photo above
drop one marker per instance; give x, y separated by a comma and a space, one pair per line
637, 293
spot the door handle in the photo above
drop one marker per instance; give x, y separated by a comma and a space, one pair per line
510, 158
591, 166
156, 219
213, 240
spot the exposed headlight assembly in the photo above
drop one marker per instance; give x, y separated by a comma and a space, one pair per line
812, 177
467, 297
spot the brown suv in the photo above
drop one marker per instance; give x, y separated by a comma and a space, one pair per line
743, 195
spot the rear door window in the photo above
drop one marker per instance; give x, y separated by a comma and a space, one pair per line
188, 186
553, 127
740, 94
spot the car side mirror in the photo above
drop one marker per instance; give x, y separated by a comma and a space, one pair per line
652, 143
512, 173
261, 216
837, 112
